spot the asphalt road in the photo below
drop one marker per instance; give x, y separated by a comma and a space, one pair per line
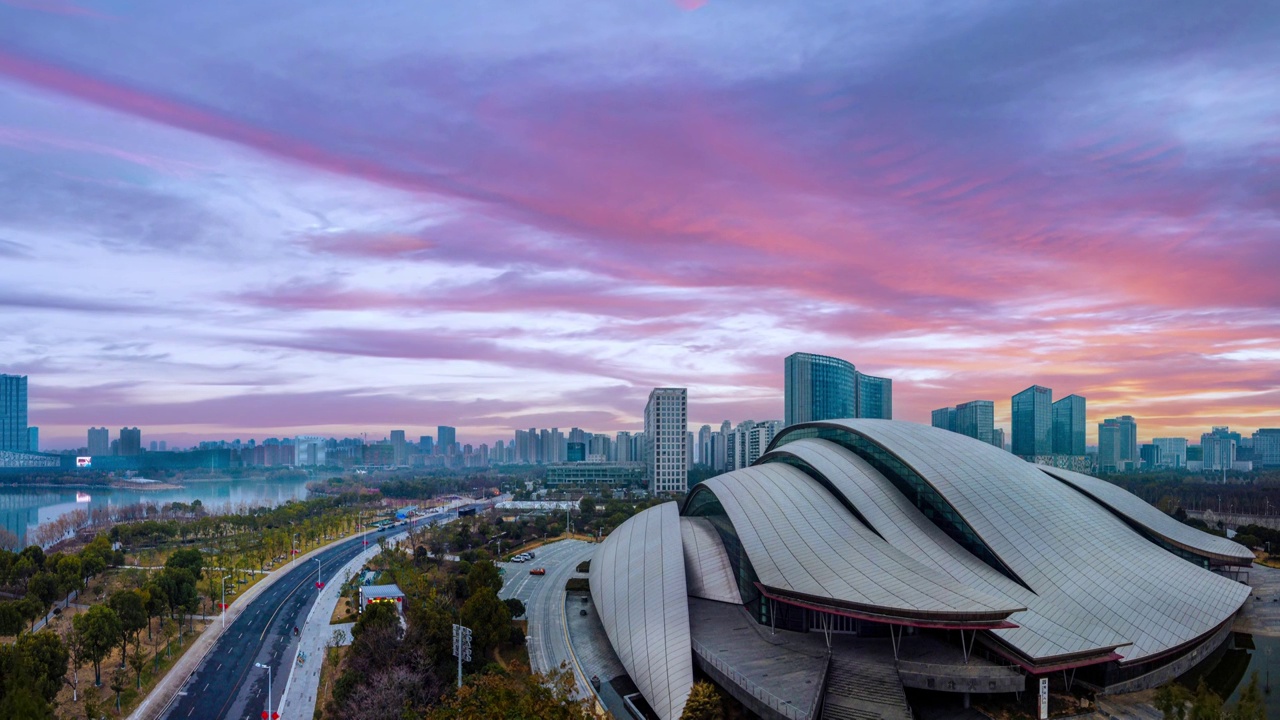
543, 597
226, 684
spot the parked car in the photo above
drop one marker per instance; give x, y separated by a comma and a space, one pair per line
518, 559
531, 555
538, 571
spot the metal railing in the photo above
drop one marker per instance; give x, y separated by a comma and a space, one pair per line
785, 708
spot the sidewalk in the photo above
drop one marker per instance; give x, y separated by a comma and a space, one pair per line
158, 700
303, 685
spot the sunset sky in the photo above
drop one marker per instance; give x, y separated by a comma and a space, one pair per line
245, 219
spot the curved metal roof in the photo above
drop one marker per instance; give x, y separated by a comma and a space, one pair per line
707, 572
1135, 510
1101, 577
638, 585
801, 540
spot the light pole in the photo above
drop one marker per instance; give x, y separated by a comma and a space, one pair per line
268, 669
319, 584
224, 601
293, 549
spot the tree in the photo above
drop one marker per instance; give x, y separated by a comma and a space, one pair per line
1206, 705
489, 620
119, 681
138, 662
188, 559
45, 657
515, 605
99, 628
1171, 700
484, 574
704, 703
587, 506
131, 607
77, 652
1251, 705
515, 694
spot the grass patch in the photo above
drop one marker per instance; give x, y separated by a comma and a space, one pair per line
329, 674
577, 585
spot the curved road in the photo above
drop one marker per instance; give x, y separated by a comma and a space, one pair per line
226, 684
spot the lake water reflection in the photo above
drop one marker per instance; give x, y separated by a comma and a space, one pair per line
22, 509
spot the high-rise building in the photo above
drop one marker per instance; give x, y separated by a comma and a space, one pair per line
99, 441
1128, 442
130, 441
399, 450
1266, 447
446, 439
13, 413
1068, 426
875, 397
622, 447
976, 419
665, 429
1109, 446
577, 452
427, 444
1032, 422
997, 438
818, 387
704, 445
1218, 448
944, 418
33, 439
1173, 451
309, 450
1150, 454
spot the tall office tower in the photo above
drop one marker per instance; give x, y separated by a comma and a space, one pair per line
997, 438
399, 450
665, 430
875, 397
13, 413
688, 458
944, 418
154, 446
758, 439
33, 439
1032, 422
446, 438
704, 445
976, 419
1173, 451
1266, 447
1128, 440
130, 441
1150, 454
309, 450
1109, 446
576, 452
721, 456
164, 445
1219, 448
1068, 426
559, 446
818, 387
99, 441
427, 444
577, 435
622, 447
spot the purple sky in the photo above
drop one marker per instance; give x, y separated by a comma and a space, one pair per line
237, 219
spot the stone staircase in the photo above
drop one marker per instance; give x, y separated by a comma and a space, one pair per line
859, 690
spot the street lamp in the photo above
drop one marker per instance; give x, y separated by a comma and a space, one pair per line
224, 601
293, 549
270, 715
319, 583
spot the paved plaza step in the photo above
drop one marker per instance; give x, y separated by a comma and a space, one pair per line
858, 690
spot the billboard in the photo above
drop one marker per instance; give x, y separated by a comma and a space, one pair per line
84, 461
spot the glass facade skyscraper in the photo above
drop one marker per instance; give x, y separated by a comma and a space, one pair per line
875, 397
13, 413
1068, 426
1032, 422
976, 419
819, 387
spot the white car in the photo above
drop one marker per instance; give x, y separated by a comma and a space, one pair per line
518, 559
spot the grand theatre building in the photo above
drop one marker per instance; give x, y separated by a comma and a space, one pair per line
861, 559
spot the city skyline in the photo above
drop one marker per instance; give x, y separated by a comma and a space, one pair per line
534, 223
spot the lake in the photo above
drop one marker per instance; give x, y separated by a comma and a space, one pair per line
22, 509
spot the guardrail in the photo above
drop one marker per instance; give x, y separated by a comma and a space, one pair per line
785, 708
